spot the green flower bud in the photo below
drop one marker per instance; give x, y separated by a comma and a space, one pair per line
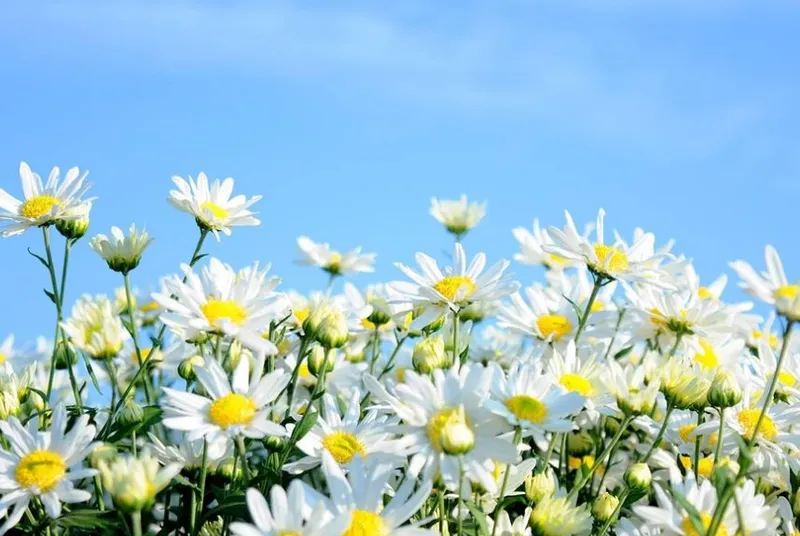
186, 367
65, 356
78, 223
230, 470
638, 477
131, 413
540, 486
316, 360
104, 452
579, 444
725, 391
429, 354
456, 437
604, 507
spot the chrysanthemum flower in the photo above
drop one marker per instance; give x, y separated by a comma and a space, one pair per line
458, 216
213, 207
333, 262
134, 481
44, 203
122, 252
94, 328
770, 286
545, 315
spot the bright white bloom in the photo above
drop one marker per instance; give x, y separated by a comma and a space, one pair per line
220, 300
358, 497
134, 481
529, 398
344, 436
457, 216
239, 406
546, 315
121, 252
333, 262
532, 248
636, 262
189, 454
43, 464
300, 512
506, 528
94, 328
213, 208
557, 516
43, 203
454, 288
634, 396
771, 286
441, 409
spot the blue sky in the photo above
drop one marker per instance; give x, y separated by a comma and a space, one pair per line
677, 116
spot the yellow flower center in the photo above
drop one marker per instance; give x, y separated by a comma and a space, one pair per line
301, 314
704, 466
705, 294
787, 292
334, 263
527, 408
367, 324
145, 354
610, 260
786, 378
555, 259
217, 211
149, 307
38, 206
343, 446
772, 339
365, 523
705, 521
289, 533
708, 357
553, 325
231, 410
748, 419
441, 420
400, 374
588, 461
685, 430
575, 383
450, 286
3, 358
217, 310
41, 469
597, 306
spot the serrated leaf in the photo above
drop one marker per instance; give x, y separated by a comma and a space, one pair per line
89, 519
39, 257
479, 516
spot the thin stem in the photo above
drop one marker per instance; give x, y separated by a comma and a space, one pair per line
290, 387
455, 339
441, 512
620, 316
203, 471
599, 281
460, 530
376, 345
588, 476
660, 435
243, 454
128, 389
718, 451
390, 363
501, 507
135, 335
136, 517
697, 446
98, 490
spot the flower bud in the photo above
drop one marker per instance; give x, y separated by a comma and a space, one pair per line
65, 356
604, 507
230, 470
34, 402
320, 357
540, 486
433, 327
796, 504
104, 453
638, 477
580, 443
474, 312
328, 325
725, 391
131, 413
9, 404
456, 437
78, 223
429, 354
274, 443
235, 353
380, 314
187, 366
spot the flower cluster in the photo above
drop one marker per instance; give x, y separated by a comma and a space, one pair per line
616, 395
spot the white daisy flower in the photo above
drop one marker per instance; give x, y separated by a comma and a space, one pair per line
298, 512
359, 498
770, 286
43, 464
439, 409
220, 300
189, 454
213, 208
579, 374
532, 248
239, 406
529, 398
506, 528
558, 516
44, 203
458, 216
344, 436
94, 328
454, 288
122, 252
134, 481
636, 262
333, 262
627, 384
545, 315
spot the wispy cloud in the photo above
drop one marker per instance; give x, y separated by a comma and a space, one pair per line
477, 63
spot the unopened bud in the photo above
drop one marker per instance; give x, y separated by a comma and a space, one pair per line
725, 391
230, 470
105, 452
540, 486
638, 477
9, 404
580, 443
604, 507
319, 358
78, 223
132, 413
429, 354
64, 356
456, 436
328, 325
187, 366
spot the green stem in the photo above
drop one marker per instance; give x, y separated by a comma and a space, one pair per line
98, 490
128, 389
243, 455
135, 335
697, 446
136, 517
203, 471
441, 512
660, 435
390, 363
598, 282
455, 339
290, 387
460, 531
620, 316
582, 482
718, 451
501, 507
376, 345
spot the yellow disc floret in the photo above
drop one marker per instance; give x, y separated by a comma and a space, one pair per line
555, 326
217, 211
528, 408
218, 310
749, 417
610, 260
708, 357
705, 520
450, 286
38, 206
343, 446
364, 523
787, 292
41, 469
232, 409
575, 383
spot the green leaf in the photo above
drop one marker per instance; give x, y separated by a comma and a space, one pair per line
183, 481
480, 517
42, 260
576, 308
50, 295
233, 505
89, 519
152, 415
622, 353
694, 515
305, 426
90, 370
